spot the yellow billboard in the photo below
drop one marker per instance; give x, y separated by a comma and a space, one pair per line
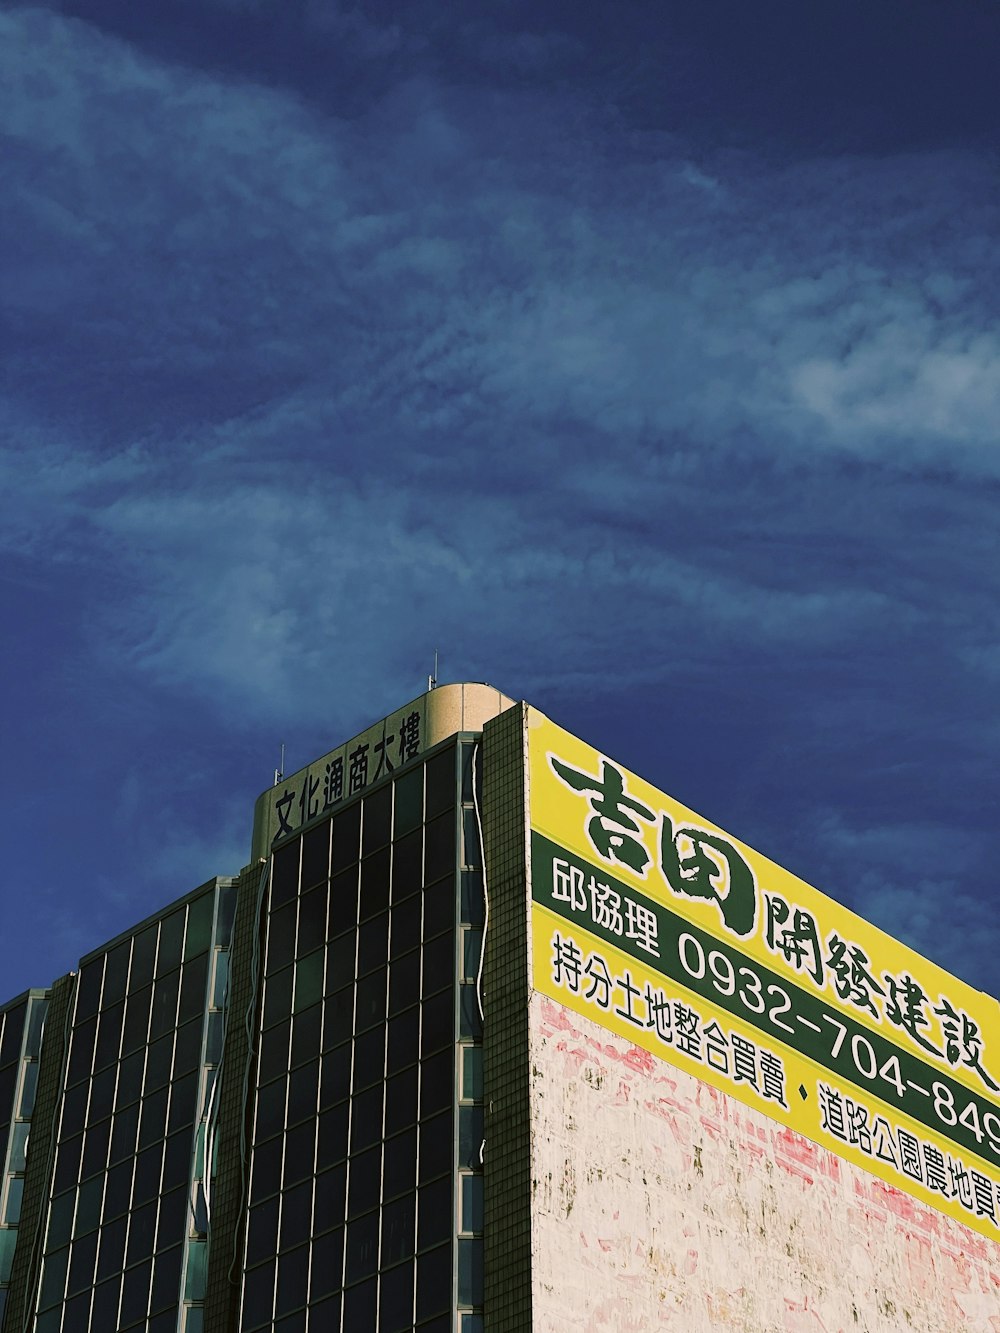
669, 932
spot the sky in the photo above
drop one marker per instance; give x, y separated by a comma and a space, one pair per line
643, 360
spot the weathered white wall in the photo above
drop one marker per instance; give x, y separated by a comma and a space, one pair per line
661, 1203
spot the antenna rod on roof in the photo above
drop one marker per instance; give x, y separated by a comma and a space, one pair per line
279, 772
433, 680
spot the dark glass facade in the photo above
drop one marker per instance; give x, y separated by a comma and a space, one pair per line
365, 1183
355, 1066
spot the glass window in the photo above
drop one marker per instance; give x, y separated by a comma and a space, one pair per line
408, 803
199, 925
95, 1152
164, 1004
405, 926
316, 854
346, 837
374, 884
278, 997
312, 919
214, 1035
397, 1230
335, 1075
472, 1203
438, 964
81, 1264
309, 980
332, 1145
258, 1294
146, 1184
376, 819
176, 1161
473, 906
197, 1268
472, 948
104, 1312
366, 1118
143, 958
12, 1207
68, 1163
434, 1282
102, 1094
18, 1147
187, 1055
158, 1057
141, 1230
36, 1022
370, 1006
130, 1073
8, 1240
60, 1220
404, 981
220, 982
338, 1017
470, 1019
171, 942
396, 1296
153, 1118
81, 1051
439, 848
296, 1214
226, 913
343, 902
470, 1272
472, 1073
300, 1145
118, 1189
302, 1086
373, 943
369, 1058
274, 1051
285, 873
437, 1079
183, 1102
280, 938
437, 1022
116, 972
401, 1100
262, 1231
403, 1044
270, 1109
340, 961
362, 1246
472, 1323
74, 1108
54, 1278
470, 1135
399, 1172
167, 1279
137, 1020
327, 1265
124, 1133
363, 1182
407, 865
266, 1169
306, 1033
108, 1036
135, 1293
359, 1305
112, 1242
436, 1148
471, 853
440, 782
193, 986
29, 1086
88, 994
435, 1222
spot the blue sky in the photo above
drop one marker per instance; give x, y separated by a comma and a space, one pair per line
644, 360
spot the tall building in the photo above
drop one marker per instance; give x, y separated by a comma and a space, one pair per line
490, 1034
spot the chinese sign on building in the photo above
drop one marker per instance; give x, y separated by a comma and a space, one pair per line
669, 932
339, 775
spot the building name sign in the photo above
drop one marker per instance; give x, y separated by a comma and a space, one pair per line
343, 773
668, 931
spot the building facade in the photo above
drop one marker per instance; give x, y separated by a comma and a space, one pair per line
490, 1034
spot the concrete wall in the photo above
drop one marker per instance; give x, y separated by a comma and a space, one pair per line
662, 1203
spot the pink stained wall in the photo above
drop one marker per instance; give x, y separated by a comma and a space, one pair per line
662, 1203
